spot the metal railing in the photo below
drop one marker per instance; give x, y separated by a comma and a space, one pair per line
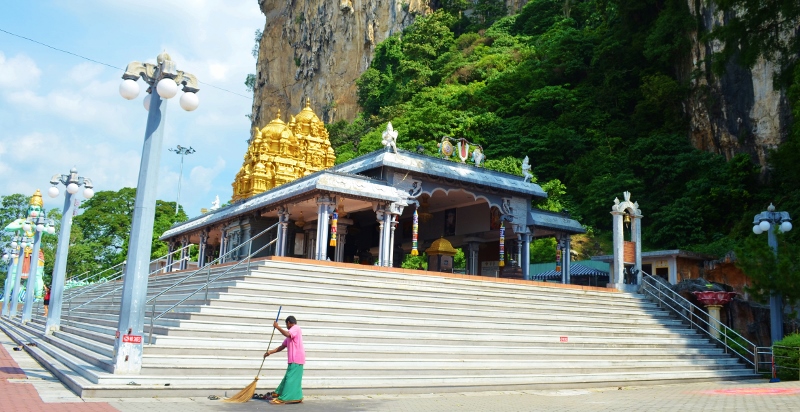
731, 340
117, 276
782, 357
209, 280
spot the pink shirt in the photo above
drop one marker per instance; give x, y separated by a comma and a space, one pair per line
294, 345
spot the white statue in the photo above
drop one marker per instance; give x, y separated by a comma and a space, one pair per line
526, 170
215, 203
390, 137
477, 156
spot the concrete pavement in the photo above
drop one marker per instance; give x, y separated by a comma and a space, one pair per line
26, 386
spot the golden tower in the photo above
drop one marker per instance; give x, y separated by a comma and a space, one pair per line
280, 153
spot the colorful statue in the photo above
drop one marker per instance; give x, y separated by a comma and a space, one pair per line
35, 209
477, 156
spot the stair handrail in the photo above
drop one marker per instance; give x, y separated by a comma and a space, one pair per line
75, 290
118, 275
656, 289
207, 268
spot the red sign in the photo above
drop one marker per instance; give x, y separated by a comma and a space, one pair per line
564, 339
131, 339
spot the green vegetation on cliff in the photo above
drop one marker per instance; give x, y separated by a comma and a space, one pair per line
592, 91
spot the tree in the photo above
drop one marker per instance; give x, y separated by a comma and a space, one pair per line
13, 207
101, 233
766, 271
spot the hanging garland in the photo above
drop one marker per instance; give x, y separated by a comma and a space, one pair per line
334, 225
414, 234
502, 244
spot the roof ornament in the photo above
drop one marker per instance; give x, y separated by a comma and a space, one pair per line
390, 138
460, 147
526, 170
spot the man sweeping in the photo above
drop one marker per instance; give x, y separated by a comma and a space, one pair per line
290, 390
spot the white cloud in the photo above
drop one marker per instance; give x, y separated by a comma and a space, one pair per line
18, 72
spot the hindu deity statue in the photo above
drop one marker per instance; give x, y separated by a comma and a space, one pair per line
35, 208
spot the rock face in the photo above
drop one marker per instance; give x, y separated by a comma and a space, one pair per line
318, 48
739, 112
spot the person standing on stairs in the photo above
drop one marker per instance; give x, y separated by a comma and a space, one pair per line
290, 390
46, 302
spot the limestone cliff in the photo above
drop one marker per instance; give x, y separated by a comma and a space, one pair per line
739, 112
318, 48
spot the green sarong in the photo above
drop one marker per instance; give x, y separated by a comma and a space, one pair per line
290, 388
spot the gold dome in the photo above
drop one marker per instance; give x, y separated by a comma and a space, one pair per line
275, 127
441, 246
306, 115
36, 199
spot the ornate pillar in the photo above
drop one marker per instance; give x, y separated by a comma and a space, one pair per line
201, 258
395, 210
341, 237
636, 235
184, 253
473, 248
380, 214
624, 212
283, 225
618, 266
526, 256
324, 203
170, 258
223, 245
567, 258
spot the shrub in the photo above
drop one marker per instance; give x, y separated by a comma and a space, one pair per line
787, 357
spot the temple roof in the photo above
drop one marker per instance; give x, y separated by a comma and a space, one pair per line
554, 221
325, 181
443, 168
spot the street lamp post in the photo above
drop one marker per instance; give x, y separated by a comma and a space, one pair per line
73, 183
182, 151
41, 225
13, 250
163, 79
767, 222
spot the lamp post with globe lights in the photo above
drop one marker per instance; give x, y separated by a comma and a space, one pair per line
73, 184
182, 151
162, 79
12, 250
41, 225
768, 222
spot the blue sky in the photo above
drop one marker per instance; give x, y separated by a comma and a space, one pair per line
59, 111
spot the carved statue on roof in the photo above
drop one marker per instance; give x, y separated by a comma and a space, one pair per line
280, 153
390, 137
526, 170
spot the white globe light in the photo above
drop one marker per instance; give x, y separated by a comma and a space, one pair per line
129, 89
5, 257
764, 225
167, 88
189, 101
786, 226
26, 227
40, 227
51, 230
757, 230
14, 245
52, 191
23, 245
88, 193
72, 188
146, 102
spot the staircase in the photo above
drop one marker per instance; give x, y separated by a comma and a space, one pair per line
373, 330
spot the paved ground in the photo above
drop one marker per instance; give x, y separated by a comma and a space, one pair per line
26, 386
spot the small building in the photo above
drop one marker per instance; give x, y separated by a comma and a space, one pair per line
671, 265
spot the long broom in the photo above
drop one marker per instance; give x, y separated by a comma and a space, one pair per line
247, 393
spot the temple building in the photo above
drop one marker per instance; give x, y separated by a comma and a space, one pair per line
290, 200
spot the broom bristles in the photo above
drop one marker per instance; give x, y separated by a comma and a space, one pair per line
245, 394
